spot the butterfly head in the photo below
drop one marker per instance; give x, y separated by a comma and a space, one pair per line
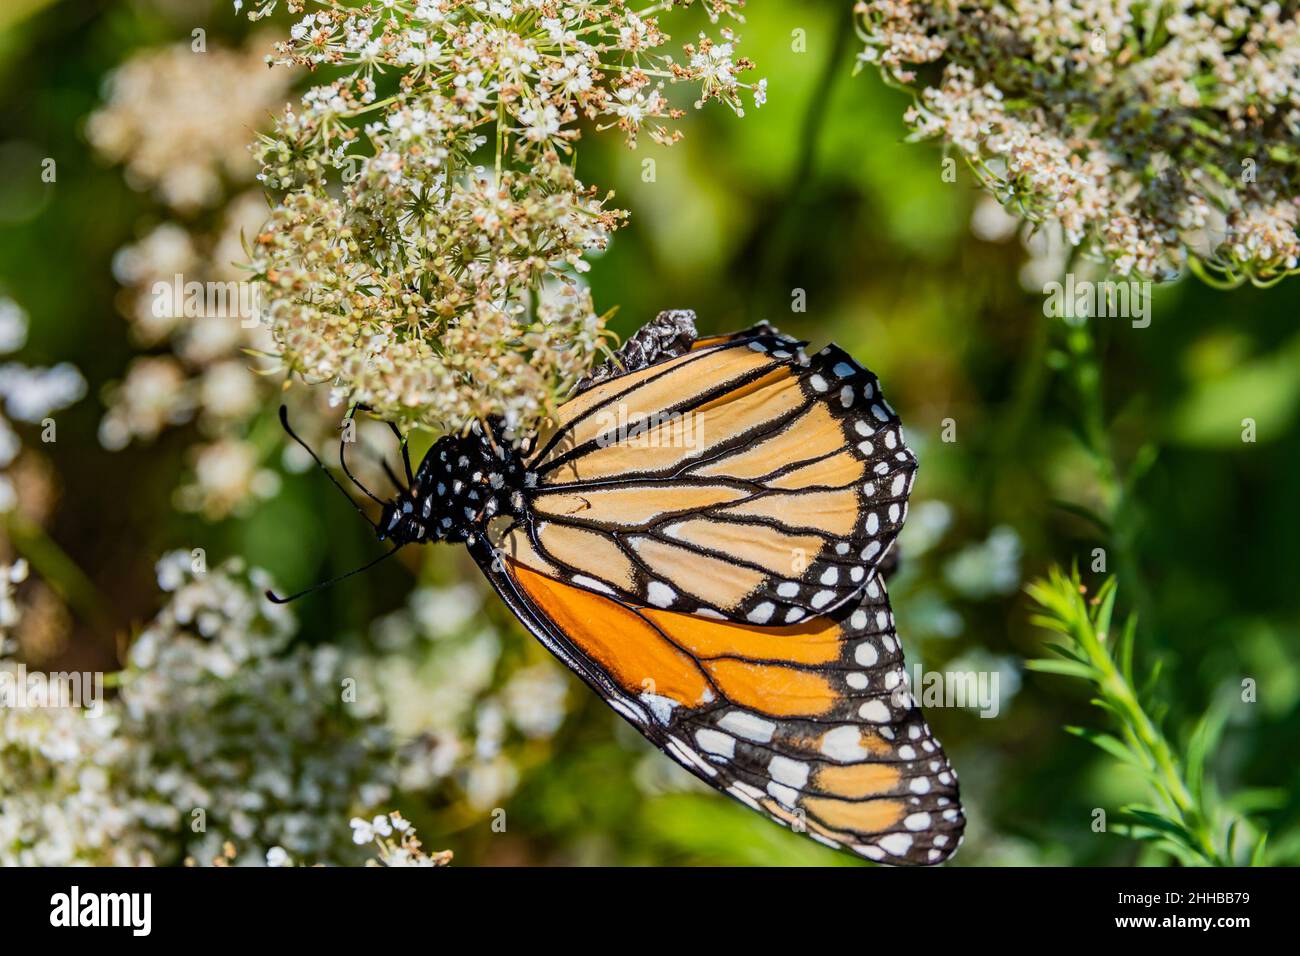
402, 522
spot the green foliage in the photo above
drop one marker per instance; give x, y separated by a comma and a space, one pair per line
1184, 818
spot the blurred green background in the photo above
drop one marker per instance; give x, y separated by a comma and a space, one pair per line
813, 192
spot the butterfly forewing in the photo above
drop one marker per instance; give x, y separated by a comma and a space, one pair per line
743, 480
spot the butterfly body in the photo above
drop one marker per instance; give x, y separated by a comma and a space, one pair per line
463, 482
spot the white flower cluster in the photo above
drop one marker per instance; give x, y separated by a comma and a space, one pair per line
179, 119
27, 394
1158, 137
394, 839
221, 733
205, 373
10, 576
197, 365
424, 253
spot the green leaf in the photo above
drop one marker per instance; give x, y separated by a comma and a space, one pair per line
1184, 855
1181, 824
1160, 823
1066, 652
1125, 649
1265, 389
1257, 854
1105, 608
1230, 841
1204, 738
1147, 691
1106, 742
1258, 799
1083, 512
1062, 668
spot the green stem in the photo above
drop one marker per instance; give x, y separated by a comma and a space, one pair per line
58, 570
1173, 790
1014, 422
1085, 371
1085, 376
1090, 658
775, 249
501, 134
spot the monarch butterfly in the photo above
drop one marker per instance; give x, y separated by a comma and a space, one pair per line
701, 535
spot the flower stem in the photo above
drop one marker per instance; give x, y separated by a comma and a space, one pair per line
1173, 788
58, 570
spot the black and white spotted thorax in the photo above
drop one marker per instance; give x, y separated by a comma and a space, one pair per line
463, 483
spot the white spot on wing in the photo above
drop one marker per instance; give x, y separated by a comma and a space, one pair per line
660, 594
783, 794
792, 773
844, 743
874, 711
586, 582
747, 725
896, 843
661, 707
688, 756
716, 742
629, 710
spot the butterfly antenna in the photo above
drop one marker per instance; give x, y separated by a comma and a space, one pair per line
353, 478
284, 421
343, 447
276, 599
406, 451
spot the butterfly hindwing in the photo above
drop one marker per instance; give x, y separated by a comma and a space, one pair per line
741, 480
811, 724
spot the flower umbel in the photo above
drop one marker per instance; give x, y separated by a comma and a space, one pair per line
425, 252
1158, 137
221, 732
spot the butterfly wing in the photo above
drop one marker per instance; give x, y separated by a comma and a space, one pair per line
811, 724
741, 480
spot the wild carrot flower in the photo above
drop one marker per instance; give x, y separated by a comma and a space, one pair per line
397, 844
28, 394
424, 254
463, 705
1157, 137
179, 119
222, 733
